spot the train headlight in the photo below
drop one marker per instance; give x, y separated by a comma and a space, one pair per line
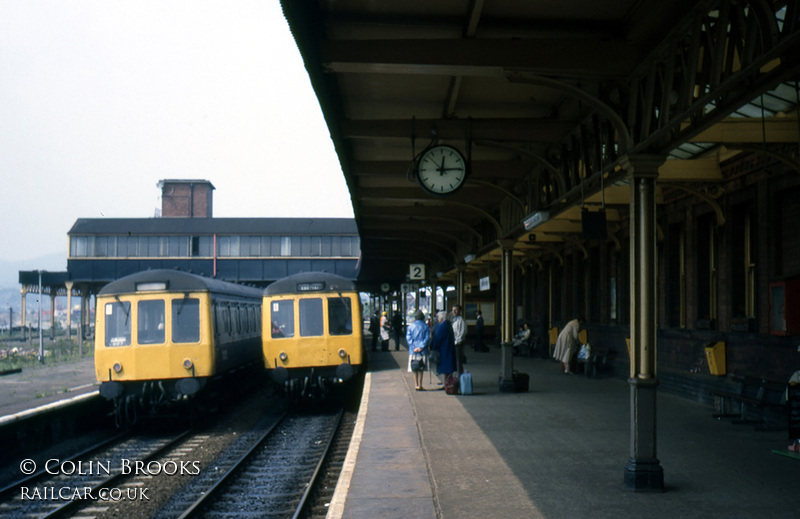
117, 367
283, 356
342, 353
187, 363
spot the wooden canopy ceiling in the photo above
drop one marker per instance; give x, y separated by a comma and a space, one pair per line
546, 99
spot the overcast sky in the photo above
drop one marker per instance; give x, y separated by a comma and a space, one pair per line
99, 100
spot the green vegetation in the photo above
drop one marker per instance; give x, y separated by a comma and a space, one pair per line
19, 354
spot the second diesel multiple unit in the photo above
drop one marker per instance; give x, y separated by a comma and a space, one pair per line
162, 334
312, 333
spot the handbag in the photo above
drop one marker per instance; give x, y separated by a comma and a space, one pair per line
417, 364
435, 356
584, 352
451, 385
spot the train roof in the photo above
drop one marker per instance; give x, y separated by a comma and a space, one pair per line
177, 281
209, 226
310, 282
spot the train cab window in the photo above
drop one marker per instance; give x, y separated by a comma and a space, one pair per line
340, 321
118, 323
150, 323
311, 317
282, 319
186, 320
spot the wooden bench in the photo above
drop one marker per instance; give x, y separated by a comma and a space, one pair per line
752, 393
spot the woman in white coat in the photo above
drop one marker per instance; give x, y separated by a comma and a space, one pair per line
567, 343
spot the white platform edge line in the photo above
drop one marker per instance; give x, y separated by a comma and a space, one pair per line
48, 407
336, 508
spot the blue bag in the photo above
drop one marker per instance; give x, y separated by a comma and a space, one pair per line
465, 382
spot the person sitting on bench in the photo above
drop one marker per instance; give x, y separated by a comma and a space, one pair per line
521, 339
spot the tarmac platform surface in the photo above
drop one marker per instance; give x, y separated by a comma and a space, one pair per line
557, 451
44, 384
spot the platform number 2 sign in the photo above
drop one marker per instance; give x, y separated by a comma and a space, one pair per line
416, 272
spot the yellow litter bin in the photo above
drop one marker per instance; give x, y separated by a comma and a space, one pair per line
553, 338
715, 355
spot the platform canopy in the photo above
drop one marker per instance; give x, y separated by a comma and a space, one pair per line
547, 101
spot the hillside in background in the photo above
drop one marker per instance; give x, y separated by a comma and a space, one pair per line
9, 270
9, 285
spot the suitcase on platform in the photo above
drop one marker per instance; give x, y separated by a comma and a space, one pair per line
521, 381
465, 381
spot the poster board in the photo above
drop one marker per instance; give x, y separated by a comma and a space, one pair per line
486, 308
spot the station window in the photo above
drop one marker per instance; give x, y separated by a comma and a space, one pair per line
676, 276
325, 245
316, 246
127, 246
186, 320
282, 318
251, 246
118, 323
229, 246
286, 246
743, 267
266, 246
153, 246
78, 246
101, 247
305, 246
706, 273
340, 320
150, 322
310, 317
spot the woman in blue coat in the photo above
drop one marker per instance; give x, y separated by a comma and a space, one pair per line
417, 339
445, 343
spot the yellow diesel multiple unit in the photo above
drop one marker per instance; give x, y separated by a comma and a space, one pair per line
312, 333
161, 334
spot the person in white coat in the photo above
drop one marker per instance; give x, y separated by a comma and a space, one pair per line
567, 343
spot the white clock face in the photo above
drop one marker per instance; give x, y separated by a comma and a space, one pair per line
441, 170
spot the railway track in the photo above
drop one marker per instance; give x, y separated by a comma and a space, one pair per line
62, 486
254, 460
271, 472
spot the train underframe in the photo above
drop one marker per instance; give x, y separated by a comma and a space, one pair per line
315, 383
148, 396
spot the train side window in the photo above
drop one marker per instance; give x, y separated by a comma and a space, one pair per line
311, 317
226, 320
237, 318
340, 320
150, 322
282, 318
118, 323
186, 320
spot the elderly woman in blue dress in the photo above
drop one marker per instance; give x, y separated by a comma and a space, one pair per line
417, 339
445, 343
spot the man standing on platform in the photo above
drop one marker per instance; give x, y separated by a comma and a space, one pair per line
460, 333
374, 329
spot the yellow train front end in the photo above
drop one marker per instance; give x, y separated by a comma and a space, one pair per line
162, 335
312, 335
153, 337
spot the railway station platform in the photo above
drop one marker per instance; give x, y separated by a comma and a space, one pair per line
557, 451
38, 386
